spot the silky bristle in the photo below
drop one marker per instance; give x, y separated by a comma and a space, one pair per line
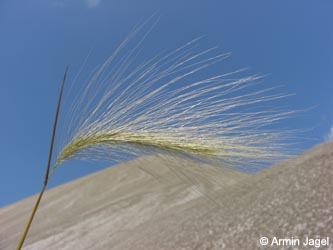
167, 104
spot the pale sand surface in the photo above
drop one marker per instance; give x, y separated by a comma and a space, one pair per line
157, 203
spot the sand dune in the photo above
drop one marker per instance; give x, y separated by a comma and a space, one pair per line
163, 203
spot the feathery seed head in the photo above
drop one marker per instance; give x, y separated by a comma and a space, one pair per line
164, 104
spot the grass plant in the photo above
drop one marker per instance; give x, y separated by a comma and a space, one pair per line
169, 104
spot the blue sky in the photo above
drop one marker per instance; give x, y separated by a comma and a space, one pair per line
290, 41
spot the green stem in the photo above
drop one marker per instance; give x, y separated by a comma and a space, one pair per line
25, 232
46, 178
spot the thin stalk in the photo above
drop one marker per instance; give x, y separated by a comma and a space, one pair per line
46, 178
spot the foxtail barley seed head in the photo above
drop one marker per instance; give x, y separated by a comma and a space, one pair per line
165, 104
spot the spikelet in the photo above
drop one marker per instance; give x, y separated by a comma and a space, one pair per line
170, 104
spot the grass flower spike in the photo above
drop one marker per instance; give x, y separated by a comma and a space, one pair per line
167, 104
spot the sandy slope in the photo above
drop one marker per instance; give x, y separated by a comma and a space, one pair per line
157, 203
